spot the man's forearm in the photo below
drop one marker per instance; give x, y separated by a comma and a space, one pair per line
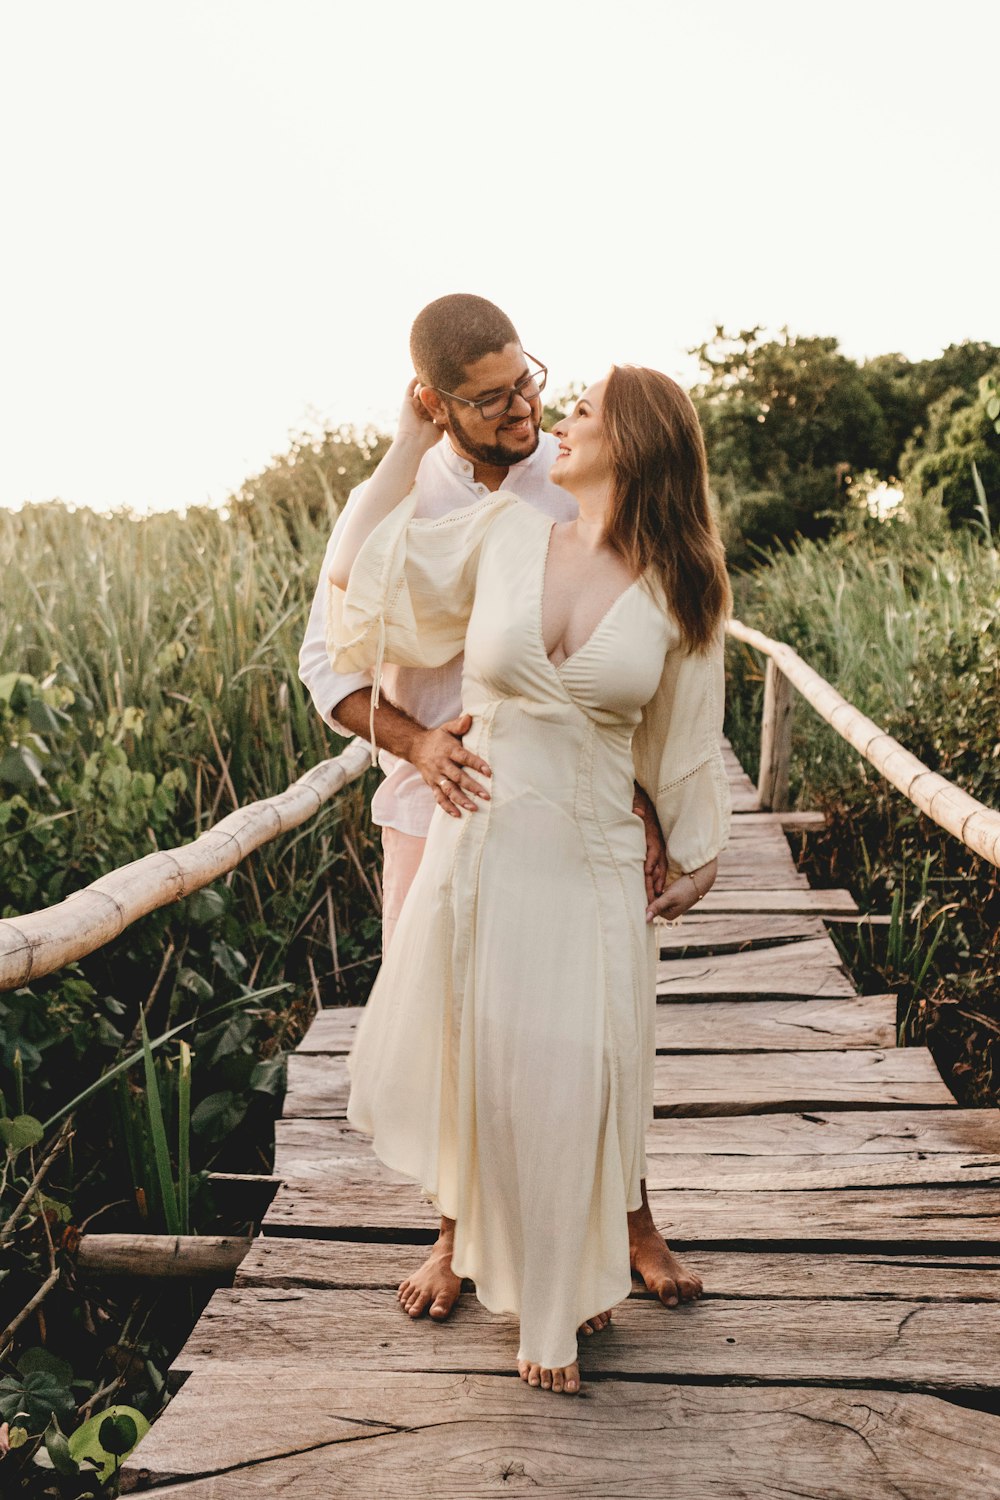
395, 731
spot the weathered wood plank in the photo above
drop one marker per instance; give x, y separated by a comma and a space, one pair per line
768, 1025
765, 899
712, 1172
791, 822
317, 1087
750, 1174
471, 1437
742, 875
332, 1030
828, 1133
302, 1145
954, 1345
276, 1261
711, 1084
752, 1082
804, 970
719, 1025
734, 932
887, 1216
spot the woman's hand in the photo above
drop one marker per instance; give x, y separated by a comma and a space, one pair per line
391, 482
683, 893
415, 421
655, 866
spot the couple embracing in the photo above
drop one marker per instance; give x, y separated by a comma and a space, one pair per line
529, 628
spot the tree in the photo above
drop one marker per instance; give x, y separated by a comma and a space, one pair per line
314, 478
790, 419
957, 433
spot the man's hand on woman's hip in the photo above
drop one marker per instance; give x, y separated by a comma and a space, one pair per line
444, 763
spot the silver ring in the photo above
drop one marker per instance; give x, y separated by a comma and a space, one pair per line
444, 782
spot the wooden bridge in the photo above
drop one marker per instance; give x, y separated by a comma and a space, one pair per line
840, 1207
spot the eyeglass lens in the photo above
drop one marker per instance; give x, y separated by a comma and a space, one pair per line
528, 387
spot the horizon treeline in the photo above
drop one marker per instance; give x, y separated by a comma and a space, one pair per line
798, 436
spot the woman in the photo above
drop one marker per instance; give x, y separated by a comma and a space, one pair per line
505, 1058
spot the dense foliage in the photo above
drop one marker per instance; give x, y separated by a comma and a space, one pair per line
796, 431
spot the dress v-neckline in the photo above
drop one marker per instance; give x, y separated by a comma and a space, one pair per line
557, 667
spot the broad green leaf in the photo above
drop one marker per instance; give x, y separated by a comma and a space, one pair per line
206, 906
119, 1421
57, 1447
20, 1132
195, 984
21, 768
118, 1435
268, 1077
33, 1360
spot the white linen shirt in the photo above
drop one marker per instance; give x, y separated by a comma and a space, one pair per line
432, 696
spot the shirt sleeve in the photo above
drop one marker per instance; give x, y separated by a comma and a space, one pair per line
328, 687
410, 592
678, 757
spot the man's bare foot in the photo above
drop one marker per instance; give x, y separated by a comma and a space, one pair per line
433, 1289
566, 1379
653, 1260
595, 1323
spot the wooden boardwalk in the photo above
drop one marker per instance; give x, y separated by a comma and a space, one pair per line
840, 1207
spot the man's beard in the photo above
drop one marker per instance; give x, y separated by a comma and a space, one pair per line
490, 453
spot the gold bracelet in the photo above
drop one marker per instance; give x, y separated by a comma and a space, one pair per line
698, 894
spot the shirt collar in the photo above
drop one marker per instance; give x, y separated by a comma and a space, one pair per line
459, 465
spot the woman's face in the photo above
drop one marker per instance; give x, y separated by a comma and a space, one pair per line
583, 458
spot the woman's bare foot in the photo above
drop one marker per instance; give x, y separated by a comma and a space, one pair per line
435, 1288
566, 1379
595, 1323
653, 1260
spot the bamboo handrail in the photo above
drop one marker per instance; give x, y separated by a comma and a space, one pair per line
42, 941
977, 826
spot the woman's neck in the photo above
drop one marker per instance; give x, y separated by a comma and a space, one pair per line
592, 522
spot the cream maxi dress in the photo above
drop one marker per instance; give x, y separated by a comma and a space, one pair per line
505, 1057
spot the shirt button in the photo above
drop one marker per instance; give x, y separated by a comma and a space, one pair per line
481, 489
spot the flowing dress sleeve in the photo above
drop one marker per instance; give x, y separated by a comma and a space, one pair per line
678, 757
410, 592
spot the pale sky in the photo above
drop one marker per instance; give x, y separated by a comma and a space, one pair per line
220, 218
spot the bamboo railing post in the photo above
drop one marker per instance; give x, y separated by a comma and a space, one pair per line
775, 740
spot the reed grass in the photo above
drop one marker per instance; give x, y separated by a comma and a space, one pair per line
182, 634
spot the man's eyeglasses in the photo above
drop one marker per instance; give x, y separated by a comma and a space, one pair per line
492, 407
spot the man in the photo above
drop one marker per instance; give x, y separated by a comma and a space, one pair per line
476, 383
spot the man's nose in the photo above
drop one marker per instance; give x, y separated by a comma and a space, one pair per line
519, 407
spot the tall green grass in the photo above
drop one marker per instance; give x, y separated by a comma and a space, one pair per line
182, 634
901, 616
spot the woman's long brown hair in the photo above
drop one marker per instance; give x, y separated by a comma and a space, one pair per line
660, 518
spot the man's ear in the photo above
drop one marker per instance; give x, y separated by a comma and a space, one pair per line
433, 405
